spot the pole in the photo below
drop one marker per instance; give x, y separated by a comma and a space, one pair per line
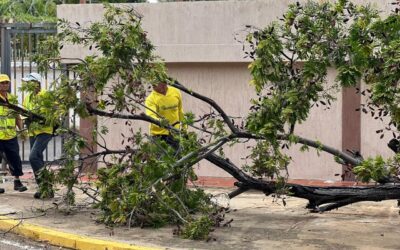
5, 51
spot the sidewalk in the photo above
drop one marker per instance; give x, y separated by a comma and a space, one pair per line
259, 222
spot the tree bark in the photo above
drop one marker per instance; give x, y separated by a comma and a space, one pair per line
323, 199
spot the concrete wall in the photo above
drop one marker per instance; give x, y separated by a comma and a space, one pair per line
196, 39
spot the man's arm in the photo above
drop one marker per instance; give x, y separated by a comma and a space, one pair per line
180, 110
180, 107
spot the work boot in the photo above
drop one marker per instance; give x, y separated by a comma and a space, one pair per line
2, 190
19, 187
38, 195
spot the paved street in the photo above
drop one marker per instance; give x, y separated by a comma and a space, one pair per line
13, 242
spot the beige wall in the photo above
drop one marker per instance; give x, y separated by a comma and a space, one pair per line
228, 85
371, 144
201, 31
196, 39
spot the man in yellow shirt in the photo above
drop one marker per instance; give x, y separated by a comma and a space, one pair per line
39, 134
165, 103
9, 120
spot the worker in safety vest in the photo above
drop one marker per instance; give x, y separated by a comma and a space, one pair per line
9, 120
39, 134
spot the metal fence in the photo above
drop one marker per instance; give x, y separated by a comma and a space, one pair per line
19, 42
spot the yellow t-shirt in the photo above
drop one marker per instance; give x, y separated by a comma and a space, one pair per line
168, 106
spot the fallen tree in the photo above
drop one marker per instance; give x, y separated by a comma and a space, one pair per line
144, 183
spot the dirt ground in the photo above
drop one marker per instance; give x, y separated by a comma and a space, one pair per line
258, 223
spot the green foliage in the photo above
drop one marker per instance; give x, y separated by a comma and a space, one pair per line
33, 11
218, 127
142, 192
266, 160
122, 43
29, 10
189, 118
304, 148
144, 183
291, 58
47, 179
305, 34
198, 229
372, 168
378, 169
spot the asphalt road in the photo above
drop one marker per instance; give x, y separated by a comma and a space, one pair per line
14, 242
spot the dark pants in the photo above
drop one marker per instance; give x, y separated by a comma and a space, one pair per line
11, 150
169, 140
38, 145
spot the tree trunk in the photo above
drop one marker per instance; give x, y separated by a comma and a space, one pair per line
335, 197
320, 199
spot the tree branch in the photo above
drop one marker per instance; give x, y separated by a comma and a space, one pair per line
21, 111
315, 144
224, 116
140, 117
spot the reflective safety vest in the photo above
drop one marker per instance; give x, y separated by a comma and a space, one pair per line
7, 121
31, 105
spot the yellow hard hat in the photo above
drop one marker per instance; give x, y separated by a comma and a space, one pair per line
4, 78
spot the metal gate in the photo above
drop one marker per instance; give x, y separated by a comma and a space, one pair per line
19, 42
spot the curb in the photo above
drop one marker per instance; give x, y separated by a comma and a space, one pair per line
67, 240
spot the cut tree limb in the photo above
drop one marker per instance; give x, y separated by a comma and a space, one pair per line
335, 197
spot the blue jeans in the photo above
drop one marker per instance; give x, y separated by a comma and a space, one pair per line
38, 145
